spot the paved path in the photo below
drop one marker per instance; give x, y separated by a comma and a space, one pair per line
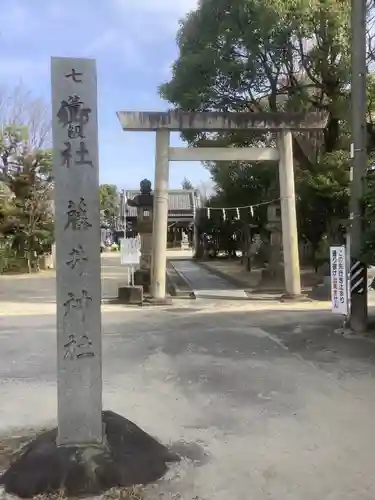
28, 293
263, 402
256, 410
205, 284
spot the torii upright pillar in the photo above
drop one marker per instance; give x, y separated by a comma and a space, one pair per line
160, 223
289, 216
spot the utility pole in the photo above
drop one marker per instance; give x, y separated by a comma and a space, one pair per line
358, 270
122, 212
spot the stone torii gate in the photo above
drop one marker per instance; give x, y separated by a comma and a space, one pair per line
163, 123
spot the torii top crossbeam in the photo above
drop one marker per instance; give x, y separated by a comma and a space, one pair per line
215, 121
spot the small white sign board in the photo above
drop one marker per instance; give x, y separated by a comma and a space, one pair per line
339, 283
185, 242
130, 250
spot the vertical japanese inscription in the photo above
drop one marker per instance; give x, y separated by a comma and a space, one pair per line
75, 76
78, 349
77, 259
79, 303
73, 116
77, 217
334, 279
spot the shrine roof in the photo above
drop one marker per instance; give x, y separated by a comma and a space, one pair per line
179, 200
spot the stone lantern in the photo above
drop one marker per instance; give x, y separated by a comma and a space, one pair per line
144, 203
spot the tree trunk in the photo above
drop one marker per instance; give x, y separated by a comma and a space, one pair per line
247, 245
29, 255
29, 262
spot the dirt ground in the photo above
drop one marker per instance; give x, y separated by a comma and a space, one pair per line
261, 400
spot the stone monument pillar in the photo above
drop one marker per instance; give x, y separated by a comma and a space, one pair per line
144, 204
77, 232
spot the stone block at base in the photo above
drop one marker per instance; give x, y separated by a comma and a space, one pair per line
152, 301
142, 277
46, 262
322, 291
287, 297
130, 295
274, 273
128, 456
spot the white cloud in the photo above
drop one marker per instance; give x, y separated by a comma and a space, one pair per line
102, 42
15, 19
16, 67
56, 9
126, 50
155, 19
15, 11
139, 28
137, 34
171, 8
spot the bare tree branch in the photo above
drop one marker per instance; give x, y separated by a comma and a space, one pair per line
18, 107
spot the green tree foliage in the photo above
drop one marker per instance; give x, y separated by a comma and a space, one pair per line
26, 209
109, 203
186, 184
272, 55
369, 198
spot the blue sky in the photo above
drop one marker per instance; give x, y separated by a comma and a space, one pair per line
133, 42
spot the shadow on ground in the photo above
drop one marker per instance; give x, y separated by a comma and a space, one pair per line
272, 398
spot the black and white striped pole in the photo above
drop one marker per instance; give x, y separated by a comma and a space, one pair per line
358, 278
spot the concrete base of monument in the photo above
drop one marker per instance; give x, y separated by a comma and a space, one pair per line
153, 301
128, 456
296, 297
142, 277
130, 295
322, 291
275, 275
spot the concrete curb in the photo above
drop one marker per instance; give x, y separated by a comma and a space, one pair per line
178, 285
172, 288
